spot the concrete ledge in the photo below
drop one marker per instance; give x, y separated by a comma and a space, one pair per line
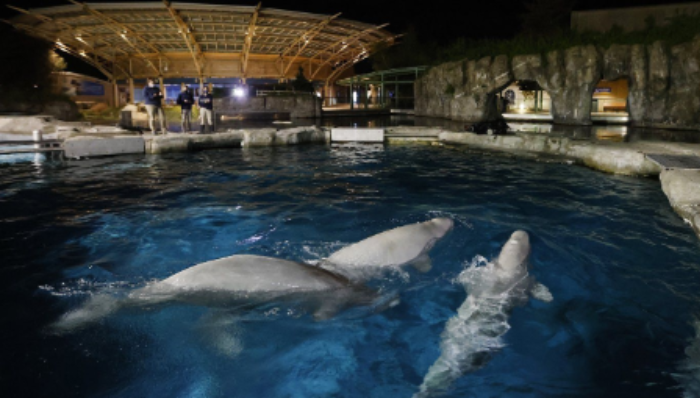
92, 146
368, 135
180, 143
616, 158
294, 136
413, 131
259, 138
285, 137
27, 124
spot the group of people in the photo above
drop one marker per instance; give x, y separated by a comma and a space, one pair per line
153, 99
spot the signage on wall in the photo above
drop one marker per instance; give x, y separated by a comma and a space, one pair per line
75, 87
88, 88
603, 90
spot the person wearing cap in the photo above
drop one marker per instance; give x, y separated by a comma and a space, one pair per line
185, 100
206, 109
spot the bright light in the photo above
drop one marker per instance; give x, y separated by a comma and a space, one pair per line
354, 97
238, 92
522, 106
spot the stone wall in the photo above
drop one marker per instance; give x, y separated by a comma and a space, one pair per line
664, 83
298, 106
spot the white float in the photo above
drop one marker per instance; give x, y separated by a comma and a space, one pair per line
365, 135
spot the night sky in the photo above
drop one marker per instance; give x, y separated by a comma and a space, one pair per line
439, 21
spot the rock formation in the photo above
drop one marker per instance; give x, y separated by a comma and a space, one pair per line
664, 83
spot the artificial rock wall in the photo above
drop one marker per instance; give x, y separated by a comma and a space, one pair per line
664, 83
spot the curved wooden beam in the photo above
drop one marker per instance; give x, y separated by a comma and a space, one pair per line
248, 44
306, 38
121, 30
345, 44
188, 36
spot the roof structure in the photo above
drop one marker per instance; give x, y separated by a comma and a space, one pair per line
163, 39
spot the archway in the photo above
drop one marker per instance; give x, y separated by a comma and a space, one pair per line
609, 102
525, 100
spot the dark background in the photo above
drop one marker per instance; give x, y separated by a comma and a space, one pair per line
435, 21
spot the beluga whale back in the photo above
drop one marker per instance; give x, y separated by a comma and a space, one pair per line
392, 249
474, 333
233, 281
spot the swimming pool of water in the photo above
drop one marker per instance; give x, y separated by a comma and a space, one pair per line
622, 267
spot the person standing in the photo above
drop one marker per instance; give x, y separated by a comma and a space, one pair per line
206, 108
153, 99
185, 100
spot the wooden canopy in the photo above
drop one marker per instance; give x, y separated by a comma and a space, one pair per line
175, 40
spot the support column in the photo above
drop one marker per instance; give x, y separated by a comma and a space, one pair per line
132, 99
396, 95
352, 92
382, 96
161, 81
366, 96
115, 94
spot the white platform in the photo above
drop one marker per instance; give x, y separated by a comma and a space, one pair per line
79, 147
365, 135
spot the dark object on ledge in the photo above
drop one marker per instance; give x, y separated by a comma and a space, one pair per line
497, 127
131, 128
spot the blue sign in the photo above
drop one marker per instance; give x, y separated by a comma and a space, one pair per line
88, 88
603, 90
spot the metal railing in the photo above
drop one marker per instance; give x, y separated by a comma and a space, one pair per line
371, 102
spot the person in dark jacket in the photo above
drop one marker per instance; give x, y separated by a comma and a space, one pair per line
206, 109
185, 100
153, 98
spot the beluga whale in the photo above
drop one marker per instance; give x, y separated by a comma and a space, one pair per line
232, 282
389, 250
241, 281
474, 333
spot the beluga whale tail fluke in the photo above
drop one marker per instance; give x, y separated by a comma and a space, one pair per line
392, 249
472, 336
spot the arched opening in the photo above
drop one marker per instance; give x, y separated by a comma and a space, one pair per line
525, 100
609, 102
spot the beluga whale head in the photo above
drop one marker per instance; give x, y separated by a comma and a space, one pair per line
513, 259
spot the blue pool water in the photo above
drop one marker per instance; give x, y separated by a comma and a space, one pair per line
623, 269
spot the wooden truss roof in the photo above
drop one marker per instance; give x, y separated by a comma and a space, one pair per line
113, 36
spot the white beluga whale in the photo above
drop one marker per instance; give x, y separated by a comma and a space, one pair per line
475, 332
232, 282
392, 249
249, 281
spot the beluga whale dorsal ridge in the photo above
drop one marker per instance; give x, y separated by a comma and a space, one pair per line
230, 282
475, 332
395, 248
